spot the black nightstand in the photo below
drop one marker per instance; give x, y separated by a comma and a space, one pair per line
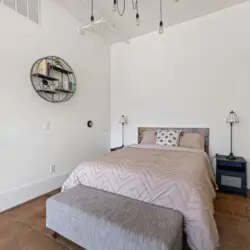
231, 175
117, 148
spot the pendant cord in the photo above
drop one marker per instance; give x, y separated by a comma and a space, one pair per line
92, 11
121, 13
161, 9
135, 4
92, 8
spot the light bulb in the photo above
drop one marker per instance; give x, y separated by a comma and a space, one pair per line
92, 24
114, 6
137, 19
161, 28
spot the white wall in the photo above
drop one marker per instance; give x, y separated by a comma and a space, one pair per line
26, 150
192, 76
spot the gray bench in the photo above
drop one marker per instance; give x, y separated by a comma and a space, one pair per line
98, 220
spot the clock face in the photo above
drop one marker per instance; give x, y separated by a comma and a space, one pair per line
53, 79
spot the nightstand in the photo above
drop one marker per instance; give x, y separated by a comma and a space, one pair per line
231, 175
117, 148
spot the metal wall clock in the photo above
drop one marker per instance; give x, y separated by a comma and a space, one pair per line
53, 79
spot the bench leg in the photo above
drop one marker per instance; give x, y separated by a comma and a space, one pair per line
55, 235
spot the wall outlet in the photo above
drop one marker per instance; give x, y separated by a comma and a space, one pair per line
52, 168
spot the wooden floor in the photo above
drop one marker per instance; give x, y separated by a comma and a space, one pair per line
23, 228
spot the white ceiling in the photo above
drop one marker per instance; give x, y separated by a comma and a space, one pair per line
173, 13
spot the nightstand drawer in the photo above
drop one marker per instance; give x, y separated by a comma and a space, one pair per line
240, 168
231, 163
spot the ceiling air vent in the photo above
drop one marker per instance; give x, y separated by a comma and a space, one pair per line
22, 7
27, 8
33, 9
10, 3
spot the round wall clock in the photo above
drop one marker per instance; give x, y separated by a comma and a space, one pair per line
53, 79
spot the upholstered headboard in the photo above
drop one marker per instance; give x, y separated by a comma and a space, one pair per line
202, 131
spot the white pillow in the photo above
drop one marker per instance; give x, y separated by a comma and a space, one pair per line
168, 137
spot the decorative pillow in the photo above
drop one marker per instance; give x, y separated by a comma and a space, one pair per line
192, 140
168, 137
149, 137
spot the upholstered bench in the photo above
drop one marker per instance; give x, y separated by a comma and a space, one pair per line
98, 220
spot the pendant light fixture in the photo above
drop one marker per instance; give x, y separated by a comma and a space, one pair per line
92, 18
137, 13
136, 8
137, 19
114, 6
161, 25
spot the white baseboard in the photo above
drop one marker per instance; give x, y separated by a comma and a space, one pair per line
17, 196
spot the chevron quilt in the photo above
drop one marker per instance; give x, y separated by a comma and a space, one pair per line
172, 177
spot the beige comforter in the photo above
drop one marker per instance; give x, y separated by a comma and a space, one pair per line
176, 178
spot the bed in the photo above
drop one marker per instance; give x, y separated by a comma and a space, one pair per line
173, 177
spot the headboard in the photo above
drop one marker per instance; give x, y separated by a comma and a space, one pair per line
202, 131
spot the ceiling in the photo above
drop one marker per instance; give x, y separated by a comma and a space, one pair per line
174, 12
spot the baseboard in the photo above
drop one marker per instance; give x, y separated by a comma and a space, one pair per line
248, 194
17, 196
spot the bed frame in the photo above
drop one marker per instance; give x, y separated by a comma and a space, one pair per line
202, 131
